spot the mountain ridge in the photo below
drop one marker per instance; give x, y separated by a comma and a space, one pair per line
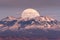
40, 20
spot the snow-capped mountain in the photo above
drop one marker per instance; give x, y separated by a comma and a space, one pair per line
28, 27
37, 22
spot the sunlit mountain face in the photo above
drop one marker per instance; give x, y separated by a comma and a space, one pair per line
29, 27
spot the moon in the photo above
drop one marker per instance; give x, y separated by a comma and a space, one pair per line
30, 13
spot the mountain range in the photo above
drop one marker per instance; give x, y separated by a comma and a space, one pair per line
40, 26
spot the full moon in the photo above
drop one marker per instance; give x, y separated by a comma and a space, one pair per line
30, 13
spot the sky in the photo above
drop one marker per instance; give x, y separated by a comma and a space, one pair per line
45, 7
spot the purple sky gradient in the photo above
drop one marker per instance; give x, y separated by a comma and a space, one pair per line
45, 7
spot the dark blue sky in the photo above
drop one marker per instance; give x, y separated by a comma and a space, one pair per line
45, 7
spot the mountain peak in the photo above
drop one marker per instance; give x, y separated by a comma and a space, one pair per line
49, 18
9, 18
44, 18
